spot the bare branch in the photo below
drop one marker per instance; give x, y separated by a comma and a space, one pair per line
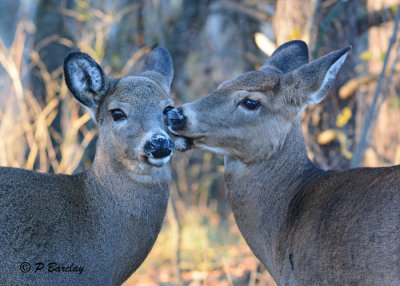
375, 18
247, 11
325, 24
356, 160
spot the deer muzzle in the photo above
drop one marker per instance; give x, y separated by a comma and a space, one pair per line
159, 146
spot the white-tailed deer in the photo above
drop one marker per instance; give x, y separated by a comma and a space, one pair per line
95, 227
306, 225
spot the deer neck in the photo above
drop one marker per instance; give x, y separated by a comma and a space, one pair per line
129, 206
260, 193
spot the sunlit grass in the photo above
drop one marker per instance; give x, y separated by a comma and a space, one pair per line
210, 255
212, 251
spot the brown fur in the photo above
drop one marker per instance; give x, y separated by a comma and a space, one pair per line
107, 218
307, 226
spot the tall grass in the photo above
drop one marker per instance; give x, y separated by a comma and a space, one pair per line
28, 138
51, 132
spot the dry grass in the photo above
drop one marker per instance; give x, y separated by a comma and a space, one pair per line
50, 132
28, 139
205, 260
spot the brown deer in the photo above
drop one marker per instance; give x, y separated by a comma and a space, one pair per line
94, 227
307, 226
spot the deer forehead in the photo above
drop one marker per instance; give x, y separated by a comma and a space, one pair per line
239, 95
138, 88
253, 81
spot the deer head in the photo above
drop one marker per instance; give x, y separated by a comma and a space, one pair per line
248, 118
129, 110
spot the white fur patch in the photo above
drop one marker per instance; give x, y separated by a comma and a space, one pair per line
159, 162
329, 78
190, 116
93, 72
180, 143
160, 135
79, 77
212, 149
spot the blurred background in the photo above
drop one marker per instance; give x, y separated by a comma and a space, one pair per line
43, 128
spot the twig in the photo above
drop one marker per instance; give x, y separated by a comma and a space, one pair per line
374, 18
246, 11
176, 228
324, 25
351, 86
53, 38
355, 162
133, 60
393, 70
253, 277
228, 273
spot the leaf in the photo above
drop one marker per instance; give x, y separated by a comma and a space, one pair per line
344, 150
343, 118
382, 56
264, 44
366, 55
351, 86
295, 35
326, 137
207, 157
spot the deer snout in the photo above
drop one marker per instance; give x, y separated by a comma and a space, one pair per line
159, 146
175, 119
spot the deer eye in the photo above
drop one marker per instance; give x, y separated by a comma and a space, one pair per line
117, 114
250, 104
168, 108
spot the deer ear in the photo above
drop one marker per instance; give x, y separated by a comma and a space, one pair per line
287, 58
85, 79
158, 67
314, 80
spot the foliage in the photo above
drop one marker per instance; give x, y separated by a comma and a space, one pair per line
43, 128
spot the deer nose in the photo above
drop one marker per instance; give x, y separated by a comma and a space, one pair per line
159, 146
175, 119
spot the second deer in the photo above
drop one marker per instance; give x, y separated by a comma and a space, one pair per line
307, 226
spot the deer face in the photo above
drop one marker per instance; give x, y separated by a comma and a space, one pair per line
249, 117
237, 120
132, 124
129, 111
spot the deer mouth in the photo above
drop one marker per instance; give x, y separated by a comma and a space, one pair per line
182, 142
157, 162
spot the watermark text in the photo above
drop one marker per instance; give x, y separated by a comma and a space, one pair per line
52, 267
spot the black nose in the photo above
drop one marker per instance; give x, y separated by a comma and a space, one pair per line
159, 146
176, 119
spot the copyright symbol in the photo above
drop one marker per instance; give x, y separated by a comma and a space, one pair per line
25, 267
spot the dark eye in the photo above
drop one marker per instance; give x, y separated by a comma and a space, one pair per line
168, 108
117, 114
250, 104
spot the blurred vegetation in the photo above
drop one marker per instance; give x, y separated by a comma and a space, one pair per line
43, 128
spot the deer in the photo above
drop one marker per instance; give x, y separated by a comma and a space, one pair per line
308, 226
95, 227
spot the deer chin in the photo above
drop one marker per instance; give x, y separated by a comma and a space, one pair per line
144, 165
157, 162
